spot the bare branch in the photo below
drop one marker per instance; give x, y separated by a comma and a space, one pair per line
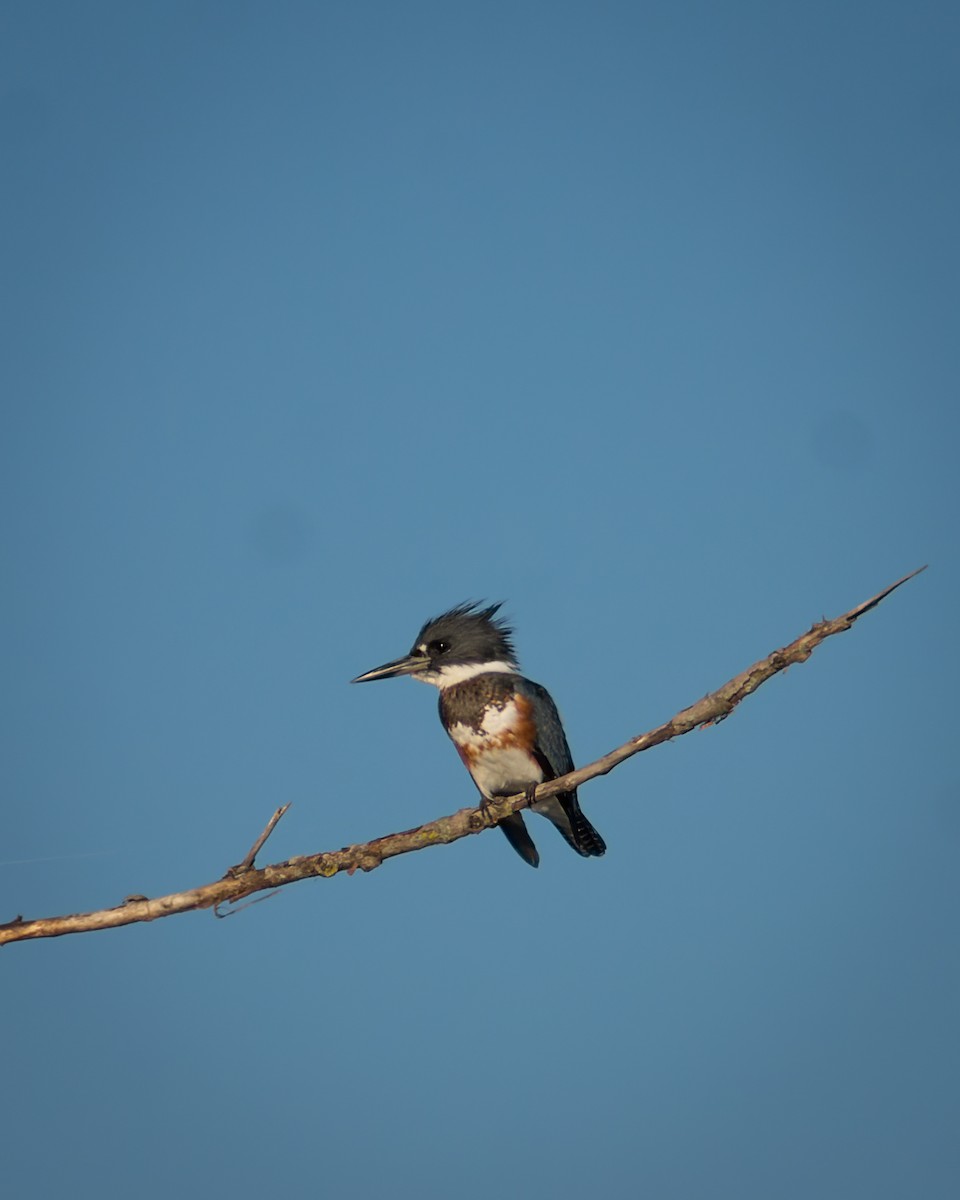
245, 879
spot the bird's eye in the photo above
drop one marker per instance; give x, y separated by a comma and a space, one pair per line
438, 647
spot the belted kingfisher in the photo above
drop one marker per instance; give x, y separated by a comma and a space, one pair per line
505, 727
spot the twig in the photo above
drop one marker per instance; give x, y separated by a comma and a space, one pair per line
257, 846
239, 883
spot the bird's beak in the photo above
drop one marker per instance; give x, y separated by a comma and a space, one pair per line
400, 666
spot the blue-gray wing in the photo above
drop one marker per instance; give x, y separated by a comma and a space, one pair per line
551, 750
554, 757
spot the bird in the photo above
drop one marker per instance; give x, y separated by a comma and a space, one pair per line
505, 727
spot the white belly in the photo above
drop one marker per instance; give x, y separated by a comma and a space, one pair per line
505, 772
497, 769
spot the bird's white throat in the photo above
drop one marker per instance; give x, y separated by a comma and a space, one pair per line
447, 676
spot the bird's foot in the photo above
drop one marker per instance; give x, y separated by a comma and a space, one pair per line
485, 806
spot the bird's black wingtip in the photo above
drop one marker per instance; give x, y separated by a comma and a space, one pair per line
587, 841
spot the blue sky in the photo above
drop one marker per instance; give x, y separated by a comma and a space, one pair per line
320, 318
